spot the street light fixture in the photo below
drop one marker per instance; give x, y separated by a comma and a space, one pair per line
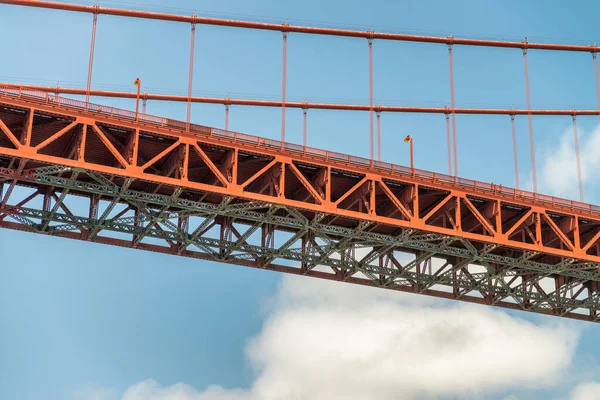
409, 139
137, 83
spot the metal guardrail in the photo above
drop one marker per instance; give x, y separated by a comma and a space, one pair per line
47, 98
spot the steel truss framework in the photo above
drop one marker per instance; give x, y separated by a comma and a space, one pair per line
244, 200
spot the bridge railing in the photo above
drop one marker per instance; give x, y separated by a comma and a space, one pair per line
47, 98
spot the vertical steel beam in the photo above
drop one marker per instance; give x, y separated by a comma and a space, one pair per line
81, 147
183, 223
6, 196
94, 203
137, 221
577, 160
451, 68
186, 162
530, 121
283, 87
136, 145
190, 74
47, 202
11, 187
25, 137
514, 143
91, 61
305, 250
234, 167
281, 191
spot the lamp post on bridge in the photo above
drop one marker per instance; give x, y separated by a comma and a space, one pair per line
409, 139
137, 83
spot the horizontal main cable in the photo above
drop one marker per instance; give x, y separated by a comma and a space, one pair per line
299, 28
294, 104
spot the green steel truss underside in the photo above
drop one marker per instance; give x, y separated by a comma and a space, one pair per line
275, 237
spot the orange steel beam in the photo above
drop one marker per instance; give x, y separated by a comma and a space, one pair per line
300, 29
300, 105
432, 217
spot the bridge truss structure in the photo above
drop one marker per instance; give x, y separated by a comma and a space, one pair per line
229, 197
111, 176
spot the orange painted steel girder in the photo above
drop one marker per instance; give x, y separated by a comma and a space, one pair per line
301, 105
299, 29
487, 217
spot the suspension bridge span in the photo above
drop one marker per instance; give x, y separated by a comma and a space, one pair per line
112, 176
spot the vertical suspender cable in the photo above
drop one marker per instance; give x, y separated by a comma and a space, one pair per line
577, 160
304, 129
226, 117
597, 81
190, 76
378, 136
449, 144
453, 114
529, 118
91, 62
283, 87
514, 143
371, 100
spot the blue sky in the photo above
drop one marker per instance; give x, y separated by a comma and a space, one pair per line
78, 316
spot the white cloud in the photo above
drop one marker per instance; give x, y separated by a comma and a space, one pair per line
586, 391
366, 345
558, 173
327, 340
